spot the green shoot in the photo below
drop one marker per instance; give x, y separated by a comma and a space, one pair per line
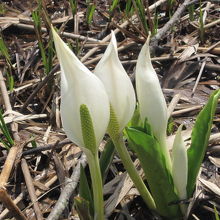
85, 191
2, 9
140, 9
106, 158
73, 5
129, 9
10, 80
216, 214
90, 11
191, 9
113, 6
4, 52
7, 141
170, 7
47, 60
82, 208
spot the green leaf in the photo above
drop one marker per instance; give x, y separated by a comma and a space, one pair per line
113, 6
128, 8
3, 127
84, 190
73, 4
216, 214
82, 208
140, 8
90, 12
158, 177
106, 158
4, 51
200, 136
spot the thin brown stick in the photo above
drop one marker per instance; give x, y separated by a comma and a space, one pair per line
67, 191
4, 176
8, 105
182, 111
31, 190
96, 59
40, 86
173, 104
64, 34
170, 23
107, 38
42, 148
4, 197
21, 196
199, 76
7, 202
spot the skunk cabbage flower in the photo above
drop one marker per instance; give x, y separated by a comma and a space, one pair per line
150, 96
117, 84
180, 164
80, 88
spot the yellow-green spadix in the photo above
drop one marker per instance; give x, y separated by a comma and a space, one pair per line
117, 84
80, 87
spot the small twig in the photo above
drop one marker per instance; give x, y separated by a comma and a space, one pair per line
173, 104
61, 174
67, 191
121, 48
31, 190
175, 18
40, 86
182, 111
8, 106
199, 76
46, 147
42, 148
212, 47
8, 202
107, 38
21, 196
64, 34
211, 24
9, 163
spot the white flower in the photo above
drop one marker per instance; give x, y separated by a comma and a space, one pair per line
180, 164
117, 84
79, 86
150, 96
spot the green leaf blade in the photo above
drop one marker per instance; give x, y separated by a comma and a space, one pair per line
200, 136
84, 190
106, 158
158, 177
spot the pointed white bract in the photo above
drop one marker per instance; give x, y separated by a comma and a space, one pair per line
80, 86
117, 84
180, 164
150, 96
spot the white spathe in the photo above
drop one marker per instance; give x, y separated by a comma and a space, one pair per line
180, 164
117, 84
150, 96
80, 86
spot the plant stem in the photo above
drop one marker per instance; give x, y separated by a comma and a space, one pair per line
97, 186
166, 153
129, 166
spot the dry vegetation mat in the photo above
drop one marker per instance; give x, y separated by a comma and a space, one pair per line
39, 166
